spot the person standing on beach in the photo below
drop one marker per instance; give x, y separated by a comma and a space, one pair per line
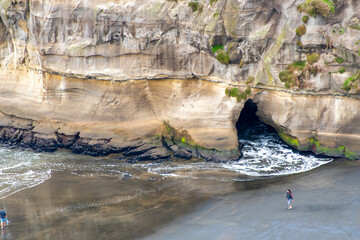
289, 198
2, 218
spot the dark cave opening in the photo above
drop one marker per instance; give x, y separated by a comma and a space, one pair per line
248, 113
249, 120
256, 135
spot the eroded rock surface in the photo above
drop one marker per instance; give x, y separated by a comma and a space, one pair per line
141, 77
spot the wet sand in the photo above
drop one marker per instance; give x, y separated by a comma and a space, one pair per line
327, 206
89, 207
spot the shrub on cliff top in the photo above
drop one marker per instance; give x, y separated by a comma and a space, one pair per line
313, 7
301, 30
312, 58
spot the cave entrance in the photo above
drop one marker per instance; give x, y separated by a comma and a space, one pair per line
249, 124
264, 152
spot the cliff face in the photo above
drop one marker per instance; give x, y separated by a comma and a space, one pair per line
161, 78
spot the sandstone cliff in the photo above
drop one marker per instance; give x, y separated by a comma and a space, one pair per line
161, 78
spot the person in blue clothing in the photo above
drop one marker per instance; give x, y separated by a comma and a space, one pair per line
2, 218
289, 198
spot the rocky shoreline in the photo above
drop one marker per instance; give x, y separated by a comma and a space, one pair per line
161, 150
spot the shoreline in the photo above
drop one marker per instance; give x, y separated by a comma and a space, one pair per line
69, 206
89, 207
326, 207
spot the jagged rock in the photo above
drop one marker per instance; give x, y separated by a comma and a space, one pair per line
42, 144
65, 141
139, 150
183, 154
154, 154
92, 147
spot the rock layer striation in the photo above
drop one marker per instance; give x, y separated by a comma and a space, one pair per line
160, 78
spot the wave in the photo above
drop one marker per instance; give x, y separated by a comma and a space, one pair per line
264, 155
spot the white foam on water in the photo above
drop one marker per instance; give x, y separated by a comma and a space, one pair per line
264, 155
20, 170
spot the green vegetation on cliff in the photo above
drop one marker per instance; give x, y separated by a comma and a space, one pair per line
352, 83
339, 60
181, 138
357, 27
212, 2
241, 63
299, 43
223, 57
196, 6
292, 141
313, 7
176, 135
340, 151
342, 70
293, 72
217, 48
312, 58
317, 149
289, 76
300, 30
305, 19
237, 93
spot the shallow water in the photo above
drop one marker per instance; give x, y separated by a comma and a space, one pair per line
111, 199
264, 155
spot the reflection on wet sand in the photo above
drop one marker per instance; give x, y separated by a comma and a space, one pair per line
91, 207
326, 206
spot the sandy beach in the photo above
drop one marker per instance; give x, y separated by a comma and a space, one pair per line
326, 207
68, 206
